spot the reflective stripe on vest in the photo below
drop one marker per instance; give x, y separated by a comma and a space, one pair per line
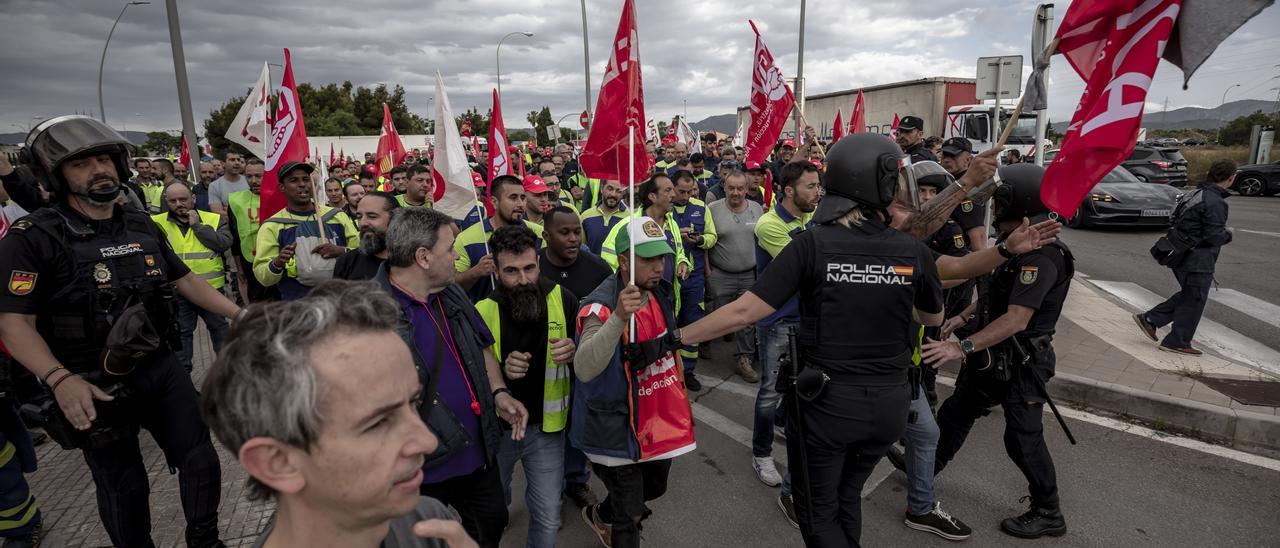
15, 517
152, 196
555, 384
243, 205
199, 258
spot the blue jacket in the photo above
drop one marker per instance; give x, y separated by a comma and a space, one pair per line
603, 418
1204, 219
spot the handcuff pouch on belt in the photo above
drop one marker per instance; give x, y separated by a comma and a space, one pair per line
105, 430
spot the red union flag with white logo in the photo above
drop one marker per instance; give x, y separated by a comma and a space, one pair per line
619, 119
288, 142
390, 148
771, 102
1115, 47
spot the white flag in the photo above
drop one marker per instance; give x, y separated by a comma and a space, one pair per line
651, 131
450, 169
249, 129
737, 136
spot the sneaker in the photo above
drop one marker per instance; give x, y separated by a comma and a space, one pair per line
591, 515
1184, 350
939, 523
766, 471
691, 382
746, 370
1035, 523
1146, 327
581, 494
896, 458
788, 508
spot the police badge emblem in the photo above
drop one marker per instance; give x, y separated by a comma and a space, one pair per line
101, 274
959, 241
966, 206
1029, 274
151, 261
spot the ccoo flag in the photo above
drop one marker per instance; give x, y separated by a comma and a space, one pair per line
288, 143
252, 123
619, 121
771, 102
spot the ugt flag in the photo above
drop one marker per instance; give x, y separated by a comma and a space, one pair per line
619, 119
1115, 47
771, 102
288, 143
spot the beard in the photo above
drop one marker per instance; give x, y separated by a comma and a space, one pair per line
525, 302
372, 243
612, 203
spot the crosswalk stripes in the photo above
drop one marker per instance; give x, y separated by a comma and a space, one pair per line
1210, 334
1251, 306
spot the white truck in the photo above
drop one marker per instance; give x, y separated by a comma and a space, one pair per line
976, 123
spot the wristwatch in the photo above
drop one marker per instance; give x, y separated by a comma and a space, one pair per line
675, 335
966, 346
501, 390
1003, 248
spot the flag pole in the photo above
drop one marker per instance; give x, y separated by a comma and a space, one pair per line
1017, 110
631, 225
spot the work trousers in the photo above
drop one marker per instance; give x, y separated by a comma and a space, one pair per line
630, 486
845, 432
693, 290
723, 287
479, 501
188, 313
1183, 309
19, 514
159, 397
975, 395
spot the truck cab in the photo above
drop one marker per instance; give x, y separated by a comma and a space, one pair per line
975, 123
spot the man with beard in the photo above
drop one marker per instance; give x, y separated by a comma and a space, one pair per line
372, 218
201, 188
230, 182
417, 185
352, 192
300, 221
599, 220
911, 139
786, 151
242, 214
957, 154
474, 264
528, 316
538, 198
199, 238
217, 168
333, 193
180, 171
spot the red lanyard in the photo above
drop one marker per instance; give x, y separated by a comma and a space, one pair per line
446, 341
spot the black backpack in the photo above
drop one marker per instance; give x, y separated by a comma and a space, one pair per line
1172, 248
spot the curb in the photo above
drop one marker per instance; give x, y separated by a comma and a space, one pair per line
1242, 430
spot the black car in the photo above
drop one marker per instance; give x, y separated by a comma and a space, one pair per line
1121, 199
1257, 179
1157, 165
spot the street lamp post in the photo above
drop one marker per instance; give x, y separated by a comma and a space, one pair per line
586, 62
498, 56
102, 112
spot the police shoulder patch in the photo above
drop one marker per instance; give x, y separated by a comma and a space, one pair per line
22, 282
1029, 275
21, 226
966, 206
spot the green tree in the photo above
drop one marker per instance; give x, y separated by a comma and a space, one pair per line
160, 143
215, 127
1238, 131
540, 119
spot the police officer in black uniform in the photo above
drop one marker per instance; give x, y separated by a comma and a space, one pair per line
911, 139
862, 288
87, 308
1009, 361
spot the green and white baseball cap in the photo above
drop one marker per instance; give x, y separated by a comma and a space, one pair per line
649, 239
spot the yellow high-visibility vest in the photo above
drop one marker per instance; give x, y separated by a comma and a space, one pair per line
204, 262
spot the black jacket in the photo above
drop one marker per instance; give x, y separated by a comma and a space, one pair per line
1204, 220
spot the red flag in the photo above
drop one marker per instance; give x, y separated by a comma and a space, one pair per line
390, 149
184, 157
288, 142
837, 128
619, 119
771, 102
499, 158
893, 129
858, 120
332, 159
1115, 47
466, 128
342, 155
672, 134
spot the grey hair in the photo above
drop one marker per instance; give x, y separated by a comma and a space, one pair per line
411, 229
262, 384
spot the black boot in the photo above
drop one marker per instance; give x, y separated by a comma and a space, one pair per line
204, 534
1036, 523
30, 540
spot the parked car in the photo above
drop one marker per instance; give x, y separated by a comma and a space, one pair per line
1195, 142
1161, 165
1257, 179
1121, 199
1168, 142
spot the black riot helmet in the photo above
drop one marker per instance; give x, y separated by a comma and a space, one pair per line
862, 170
1018, 195
928, 173
56, 140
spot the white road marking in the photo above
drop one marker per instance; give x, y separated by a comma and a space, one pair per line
1274, 234
1249, 305
1165, 437
735, 431
1209, 333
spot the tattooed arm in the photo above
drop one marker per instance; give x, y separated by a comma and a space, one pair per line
932, 214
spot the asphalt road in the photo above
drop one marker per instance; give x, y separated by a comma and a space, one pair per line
1250, 264
1116, 488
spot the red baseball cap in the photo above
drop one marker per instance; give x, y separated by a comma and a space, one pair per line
789, 143
477, 180
511, 148
754, 166
533, 184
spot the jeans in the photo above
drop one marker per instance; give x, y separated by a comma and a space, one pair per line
187, 314
1183, 309
773, 343
543, 457
576, 467
693, 291
921, 440
723, 288
630, 487
478, 499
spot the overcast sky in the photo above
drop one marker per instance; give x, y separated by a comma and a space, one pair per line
697, 51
